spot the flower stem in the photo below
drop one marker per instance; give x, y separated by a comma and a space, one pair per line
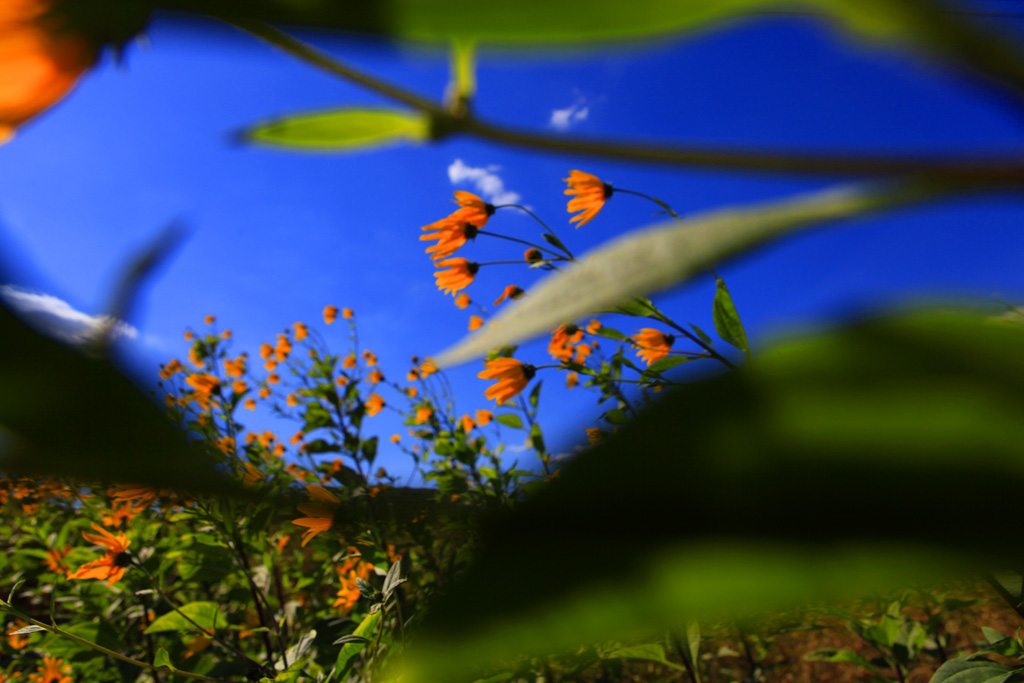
542, 224
516, 239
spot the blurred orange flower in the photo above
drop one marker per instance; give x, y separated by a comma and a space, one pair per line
590, 195
374, 404
652, 345
532, 255
475, 322
301, 331
511, 292
330, 314
462, 300
346, 313
450, 235
111, 567
512, 376
484, 417
319, 512
41, 58
52, 670
571, 380
422, 415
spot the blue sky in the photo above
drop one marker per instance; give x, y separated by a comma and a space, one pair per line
276, 236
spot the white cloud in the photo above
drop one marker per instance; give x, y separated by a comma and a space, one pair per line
485, 180
58, 318
562, 119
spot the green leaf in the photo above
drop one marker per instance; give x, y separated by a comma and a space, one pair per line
100, 633
109, 430
768, 469
510, 420
664, 365
611, 333
965, 670
702, 335
161, 658
655, 258
727, 320
840, 656
342, 130
206, 614
349, 651
652, 652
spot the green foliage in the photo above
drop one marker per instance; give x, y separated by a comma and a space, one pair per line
343, 130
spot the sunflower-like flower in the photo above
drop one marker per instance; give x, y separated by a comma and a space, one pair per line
590, 195
458, 274
450, 235
112, 565
319, 511
652, 345
512, 376
52, 670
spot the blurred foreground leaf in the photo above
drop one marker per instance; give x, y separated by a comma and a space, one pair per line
343, 130
879, 456
66, 414
655, 258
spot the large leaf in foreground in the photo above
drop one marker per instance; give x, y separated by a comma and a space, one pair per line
889, 453
655, 258
343, 130
64, 413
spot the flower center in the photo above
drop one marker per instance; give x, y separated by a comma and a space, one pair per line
607, 190
123, 559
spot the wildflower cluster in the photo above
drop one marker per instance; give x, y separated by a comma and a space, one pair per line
574, 349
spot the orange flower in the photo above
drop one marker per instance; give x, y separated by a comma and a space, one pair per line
450, 235
512, 376
593, 326
595, 435
422, 415
172, 368
428, 367
301, 331
590, 195
375, 377
111, 567
188, 335
239, 386
652, 345
273, 378
370, 357
205, 386
319, 512
484, 417
234, 368
346, 313
52, 670
226, 334
374, 404
250, 404
459, 274
353, 568
342, 380
475, 322
571, 380
467, 424
55, 560
348, 361
209, 320
532, 255
511, 292
270, 365
266, 350
292, 400
395, 438
40, 61
265, 392
563, 340
462, 300
330, 314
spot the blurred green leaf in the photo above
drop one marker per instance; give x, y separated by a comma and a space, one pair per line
343, 130
840, 656
655, 258
663, 365
652, 652
205, 614
510, 420
64, 413
727, 320
783, 484
349, 651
